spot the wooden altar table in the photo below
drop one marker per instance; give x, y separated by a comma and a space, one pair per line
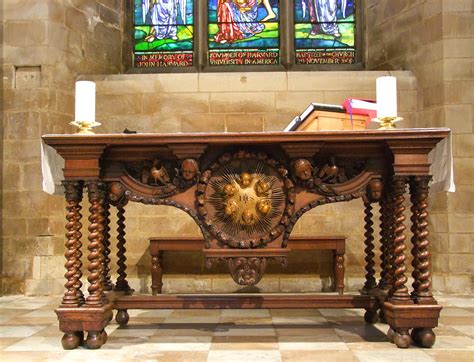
246, 191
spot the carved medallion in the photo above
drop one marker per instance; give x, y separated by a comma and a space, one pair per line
246, 199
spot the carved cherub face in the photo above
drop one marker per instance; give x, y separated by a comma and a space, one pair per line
229, 190
189, 169
302, 169
248, 217
245, 179
375, 189
230, 208
263, 206
262, 187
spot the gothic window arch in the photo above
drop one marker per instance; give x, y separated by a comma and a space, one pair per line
245, 35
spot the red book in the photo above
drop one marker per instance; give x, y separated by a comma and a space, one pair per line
365, 107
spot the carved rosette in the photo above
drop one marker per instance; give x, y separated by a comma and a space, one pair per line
245, 199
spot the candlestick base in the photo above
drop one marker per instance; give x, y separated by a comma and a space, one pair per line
85, 127
387, 122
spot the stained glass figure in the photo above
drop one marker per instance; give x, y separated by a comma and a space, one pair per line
243, 32
325, 31
164, 33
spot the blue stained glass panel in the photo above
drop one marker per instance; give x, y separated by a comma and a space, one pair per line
325, 31
164, 33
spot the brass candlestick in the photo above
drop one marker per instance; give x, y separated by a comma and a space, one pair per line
387, 122
85, 127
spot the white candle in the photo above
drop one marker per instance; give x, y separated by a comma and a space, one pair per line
85, 102
386, 97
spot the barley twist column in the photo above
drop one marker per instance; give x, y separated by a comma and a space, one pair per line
73, 193
82, 300
414, 237
423, 256
385, 224
369, 247
122, 283
399, 290
108, 285
96, 237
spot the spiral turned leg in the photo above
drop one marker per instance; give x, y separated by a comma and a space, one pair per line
385, 239
122, 284
96, 236
71, 298
399, 293
369, 253
421, 252
414, 238
108, 285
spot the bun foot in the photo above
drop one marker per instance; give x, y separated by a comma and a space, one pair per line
94, 340
390, 335
423, 337
104, 336
122, 317
71, 340
371, 316
402, 339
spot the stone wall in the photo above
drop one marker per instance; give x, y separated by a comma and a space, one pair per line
49, 43
46, 44
435, 40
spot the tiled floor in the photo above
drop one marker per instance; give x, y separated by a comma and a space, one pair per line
29, 329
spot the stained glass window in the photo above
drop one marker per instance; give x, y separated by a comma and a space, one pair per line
243, 32
201, 35
163, 33
324, 31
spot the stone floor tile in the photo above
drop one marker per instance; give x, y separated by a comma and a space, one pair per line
367, 333
162, 356
35, 356
19, 331
231, 329
320, 355
244, 343
454, 343
247, 356
393, 355
191, 320
467, 330
458, 321
132, 330
36, 344
247, 313
196, 313
289, 313
317, 320
455, 312
457, 356
297, 330
176, 343
102, 355
180, 329
346, 312
8, 341
248, 321
158, 313
309, 343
